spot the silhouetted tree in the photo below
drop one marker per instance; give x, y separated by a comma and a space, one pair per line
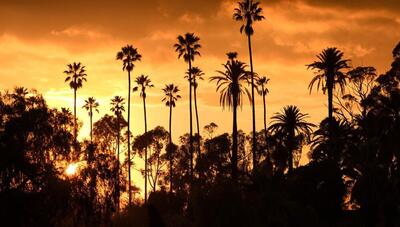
90, 105
262, 83
76, 75
329, 74
144, 82
292, 127
155, 139
249, 12
231, 88
197, 74
170, 99
188, 47
210, 129
129, 55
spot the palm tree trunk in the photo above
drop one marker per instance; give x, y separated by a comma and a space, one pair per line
330, 108
91, 126
75, 125
117, 183
145, 150
129, 139
265, 114
252, 106
190, 121
170, 144
234, 140
290, 150
197, 118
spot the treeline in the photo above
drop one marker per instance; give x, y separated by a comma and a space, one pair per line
352, 178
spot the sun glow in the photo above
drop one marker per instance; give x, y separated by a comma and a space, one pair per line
71, 169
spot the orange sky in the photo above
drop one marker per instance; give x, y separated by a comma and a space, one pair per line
38, 38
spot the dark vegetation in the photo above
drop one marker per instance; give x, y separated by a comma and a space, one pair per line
229, 179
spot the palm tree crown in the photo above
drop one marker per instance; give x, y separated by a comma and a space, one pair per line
76, 75
188, 46
291, 120
291, 127
117, 104
197, 74
231, 82
90, 105
143, 82
262, 83
329, 67
248, 12
128, 55
171, 95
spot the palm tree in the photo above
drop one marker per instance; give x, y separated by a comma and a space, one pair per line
90, 105
144, 82
170, 99
187, 47
129, 55
329, 73
117, 108
249, 12
262, 83
230, 84
197, 74
76, 75
292, 127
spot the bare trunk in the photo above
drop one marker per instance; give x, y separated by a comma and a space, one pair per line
129, 140
75, 124
234, 140
91, 126
197, 119
330, 107
170, 143
190, 121
253, 110
145, 150
117, 181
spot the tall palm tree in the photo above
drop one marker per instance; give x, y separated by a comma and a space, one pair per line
170, 99
230, 84
197, 74
129, 55
76, 75
291, 126
329, 74
262, 83
117, 108
144, 82
188, 47
90, 105
247, 13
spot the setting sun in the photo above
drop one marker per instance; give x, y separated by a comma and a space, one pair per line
71, 169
